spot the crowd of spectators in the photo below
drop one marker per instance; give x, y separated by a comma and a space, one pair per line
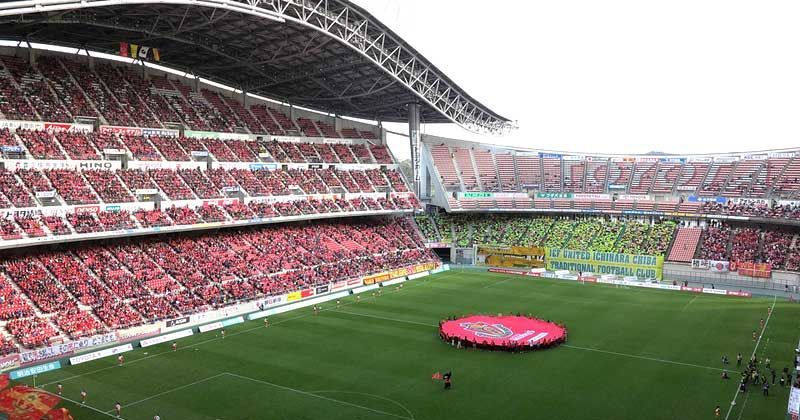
592, 233
715, 242
753, 208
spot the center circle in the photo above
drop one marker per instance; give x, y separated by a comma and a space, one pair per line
511, 333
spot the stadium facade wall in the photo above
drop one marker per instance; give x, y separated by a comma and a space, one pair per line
683, 271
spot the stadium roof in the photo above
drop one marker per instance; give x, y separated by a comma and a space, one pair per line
328, 55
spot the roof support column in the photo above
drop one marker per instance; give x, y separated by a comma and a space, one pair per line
413, 138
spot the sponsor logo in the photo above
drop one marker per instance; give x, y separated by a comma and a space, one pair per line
46, 194
209, 327
159, 132
60, 127
550, 155
273, 300
87, 209
99, 354
485, 330
178, 321
322, 289
506, 271
63, 349
126, 131
27, 125
96, 165
9, 362
164, 338
137, 332
35, 370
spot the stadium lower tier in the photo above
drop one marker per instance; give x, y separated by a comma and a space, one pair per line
714, 241
53, 295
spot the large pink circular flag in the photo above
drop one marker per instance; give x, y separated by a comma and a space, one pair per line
507, 331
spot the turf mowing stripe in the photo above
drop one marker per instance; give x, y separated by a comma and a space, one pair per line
172, 390
563, 345
755, 349
299, 391
388, 319
653, 359
416, 283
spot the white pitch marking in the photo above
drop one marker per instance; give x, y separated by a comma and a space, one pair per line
755, 349
173, 390
82, 405
634, 356
690, 302
563, 345
299, 391
420, 283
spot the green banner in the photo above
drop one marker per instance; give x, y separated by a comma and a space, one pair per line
643, 266
554, 195
215, 135
475, 195
200, 134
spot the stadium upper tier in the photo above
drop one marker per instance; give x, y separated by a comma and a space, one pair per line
63, 90
60, 183
474, 176
332, 56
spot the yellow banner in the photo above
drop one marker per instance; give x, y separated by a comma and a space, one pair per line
400, 272
644, 266
533, 251
511, 261
293, 296
376, 278
427, 267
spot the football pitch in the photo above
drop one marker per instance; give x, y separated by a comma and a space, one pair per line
631, 354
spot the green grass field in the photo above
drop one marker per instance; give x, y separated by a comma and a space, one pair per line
631, 354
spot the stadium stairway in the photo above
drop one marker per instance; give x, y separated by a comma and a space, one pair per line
671, 243
684, 246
